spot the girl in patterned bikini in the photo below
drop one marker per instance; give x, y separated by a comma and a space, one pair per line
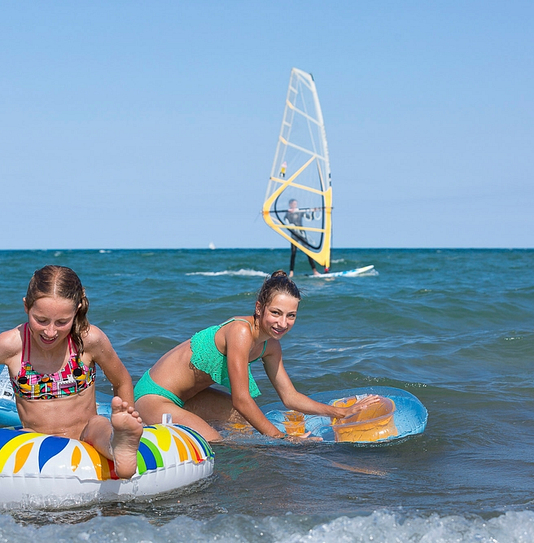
52, 363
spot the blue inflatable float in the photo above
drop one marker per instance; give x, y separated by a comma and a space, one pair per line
398, 415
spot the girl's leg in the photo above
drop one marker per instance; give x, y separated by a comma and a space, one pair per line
208, 405
152, 408
214, 405
119, 440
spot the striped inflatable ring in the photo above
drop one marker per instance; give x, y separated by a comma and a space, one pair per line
50, 471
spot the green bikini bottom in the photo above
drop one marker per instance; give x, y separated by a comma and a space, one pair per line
146, 385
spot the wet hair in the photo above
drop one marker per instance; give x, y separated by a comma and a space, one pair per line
277, 283
62, 282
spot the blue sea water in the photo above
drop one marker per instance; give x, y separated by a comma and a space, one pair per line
453, 327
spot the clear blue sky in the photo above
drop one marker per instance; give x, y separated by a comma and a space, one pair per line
153, 124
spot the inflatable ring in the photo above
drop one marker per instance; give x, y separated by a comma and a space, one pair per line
44, 470
398, 415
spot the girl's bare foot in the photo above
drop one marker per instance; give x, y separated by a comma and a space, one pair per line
127, 431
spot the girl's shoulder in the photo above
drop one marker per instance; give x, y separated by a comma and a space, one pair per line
11, 342
94, 338
273, 347
239, 325
237, 329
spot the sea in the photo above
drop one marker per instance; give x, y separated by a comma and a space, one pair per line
453, 327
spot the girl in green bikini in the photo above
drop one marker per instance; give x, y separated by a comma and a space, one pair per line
180, 382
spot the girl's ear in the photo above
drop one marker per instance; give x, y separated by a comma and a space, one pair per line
258, 309
25, 306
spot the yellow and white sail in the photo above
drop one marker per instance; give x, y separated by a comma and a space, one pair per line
301, 173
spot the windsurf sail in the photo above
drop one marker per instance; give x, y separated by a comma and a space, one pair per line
298, 202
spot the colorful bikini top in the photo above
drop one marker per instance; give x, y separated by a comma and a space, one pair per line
72, 379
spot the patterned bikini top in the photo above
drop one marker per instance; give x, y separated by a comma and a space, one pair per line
72, 379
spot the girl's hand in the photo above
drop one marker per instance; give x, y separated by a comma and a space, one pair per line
301, 438
362, 404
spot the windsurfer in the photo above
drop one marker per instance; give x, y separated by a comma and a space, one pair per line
295, 216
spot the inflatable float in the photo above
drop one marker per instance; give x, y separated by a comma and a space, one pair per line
50, 471
38, 470
398, 415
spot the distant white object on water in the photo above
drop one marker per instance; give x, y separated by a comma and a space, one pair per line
211, 245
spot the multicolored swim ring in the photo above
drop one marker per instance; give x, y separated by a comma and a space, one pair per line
38, 470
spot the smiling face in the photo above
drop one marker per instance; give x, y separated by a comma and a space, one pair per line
50, 320
278, 316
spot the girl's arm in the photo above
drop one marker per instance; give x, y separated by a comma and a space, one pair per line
292, 399
99, 348
238, 346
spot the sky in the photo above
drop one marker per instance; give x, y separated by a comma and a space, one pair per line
153, 124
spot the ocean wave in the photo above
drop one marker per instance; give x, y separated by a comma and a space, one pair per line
380, 526
241, 273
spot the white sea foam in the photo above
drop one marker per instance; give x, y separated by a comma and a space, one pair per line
379, 527
242, 273
387, 527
